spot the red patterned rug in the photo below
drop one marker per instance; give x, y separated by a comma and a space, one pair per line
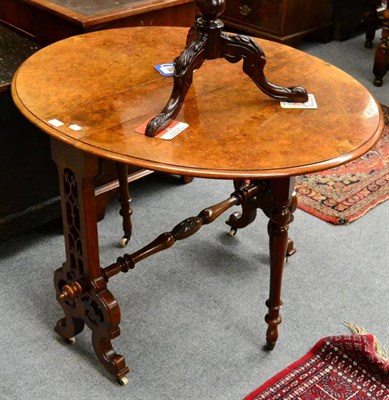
337, 368
343, 194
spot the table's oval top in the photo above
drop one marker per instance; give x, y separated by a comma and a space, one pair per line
105, 83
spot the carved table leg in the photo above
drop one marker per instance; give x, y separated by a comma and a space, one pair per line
80, 285
190, 59
280, 216
125, 202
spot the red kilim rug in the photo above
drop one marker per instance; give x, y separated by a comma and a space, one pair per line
337, 368
343, 194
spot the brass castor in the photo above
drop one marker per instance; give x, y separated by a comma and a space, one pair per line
71, 340
232, 232
123, 381
124, 241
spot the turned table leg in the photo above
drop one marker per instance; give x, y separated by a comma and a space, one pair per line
80, 285
281, 209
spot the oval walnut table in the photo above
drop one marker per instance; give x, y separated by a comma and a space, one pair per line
102, 86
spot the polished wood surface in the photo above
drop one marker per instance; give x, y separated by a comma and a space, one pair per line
106, 84
93, 14
207, 41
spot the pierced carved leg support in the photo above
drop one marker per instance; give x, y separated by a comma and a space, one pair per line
238, 47
80, 285
207, 41
280, 216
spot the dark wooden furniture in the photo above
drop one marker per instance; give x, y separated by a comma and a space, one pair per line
349, 16
288, 21
261, 149
47, 21
24, 150
381, 59
207, 41
372, 22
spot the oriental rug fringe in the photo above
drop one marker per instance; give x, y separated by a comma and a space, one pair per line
341, 195
337, 368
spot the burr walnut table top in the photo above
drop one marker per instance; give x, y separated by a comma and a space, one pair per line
105, 83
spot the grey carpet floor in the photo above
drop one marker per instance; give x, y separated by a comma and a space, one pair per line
192, 317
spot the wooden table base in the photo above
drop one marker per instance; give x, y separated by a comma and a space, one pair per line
81, 283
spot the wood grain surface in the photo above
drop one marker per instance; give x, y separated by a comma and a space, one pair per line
105, 82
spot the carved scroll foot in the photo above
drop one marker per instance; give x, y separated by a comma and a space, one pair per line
238, 47
99, 311
251, 194
113, 362
280, 216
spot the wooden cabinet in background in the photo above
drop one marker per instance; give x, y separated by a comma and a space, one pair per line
348, 16
289, 21
47, 21
284, 21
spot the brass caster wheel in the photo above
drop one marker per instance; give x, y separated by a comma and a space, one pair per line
232, 232
71, 340
123, 381
124, 241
